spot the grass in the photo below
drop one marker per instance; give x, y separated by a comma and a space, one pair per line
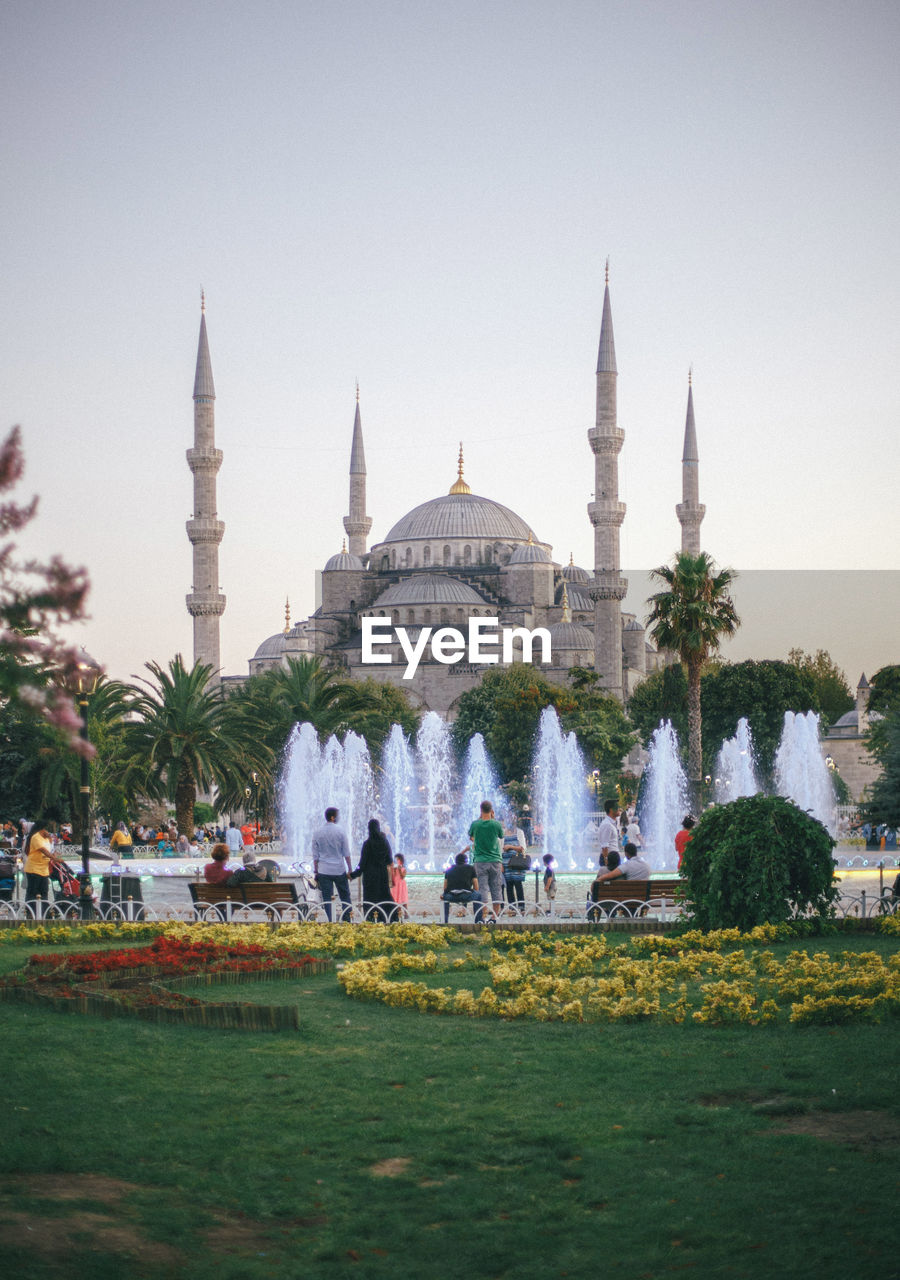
385, 1143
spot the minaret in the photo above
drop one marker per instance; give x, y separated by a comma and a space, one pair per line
205, 604
607, 513
357, 523
690, 510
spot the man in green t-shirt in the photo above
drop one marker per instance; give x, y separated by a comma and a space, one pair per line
486, 843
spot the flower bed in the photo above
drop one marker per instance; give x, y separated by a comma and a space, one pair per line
695, 978
139, 982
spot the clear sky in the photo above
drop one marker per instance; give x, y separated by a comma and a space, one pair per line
422, 195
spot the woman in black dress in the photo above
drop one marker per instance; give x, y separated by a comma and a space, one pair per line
374, 859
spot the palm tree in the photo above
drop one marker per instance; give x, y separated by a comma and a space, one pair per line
691, 618
188, 739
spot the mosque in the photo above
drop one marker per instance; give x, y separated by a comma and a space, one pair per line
452, 560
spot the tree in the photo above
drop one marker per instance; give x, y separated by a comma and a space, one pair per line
35, 599
884, 702
188, 739
832, 693
757, 860
505, 709
662, 696
390, 705
107, 712
600, 724
759, 691
691, 618
884, 798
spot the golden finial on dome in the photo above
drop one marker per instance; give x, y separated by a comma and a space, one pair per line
287, 615
343, 546
202, 301
566, 614
571, 559
459, 485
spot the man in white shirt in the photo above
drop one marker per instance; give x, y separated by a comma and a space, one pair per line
609, 831
331, 863
234, 839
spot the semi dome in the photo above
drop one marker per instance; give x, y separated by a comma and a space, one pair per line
579, 601
461, 515
429, 588
529, 553
271, 648
570, 635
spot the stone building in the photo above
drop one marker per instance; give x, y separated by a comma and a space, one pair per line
460, 559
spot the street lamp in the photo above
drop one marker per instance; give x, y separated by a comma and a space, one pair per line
81, 681
255, 779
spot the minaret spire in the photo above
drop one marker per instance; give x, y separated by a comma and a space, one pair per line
607, 513
690, 510
205, 603
357, 523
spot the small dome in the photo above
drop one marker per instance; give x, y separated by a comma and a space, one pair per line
429, 588
570, 635
529, 553
849, 720
271, 648
579, 601
573, 573
633, 625
343, 560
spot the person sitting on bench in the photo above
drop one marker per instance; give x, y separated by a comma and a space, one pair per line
634, 867
461, 885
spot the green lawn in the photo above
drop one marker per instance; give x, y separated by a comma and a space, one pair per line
386, 1143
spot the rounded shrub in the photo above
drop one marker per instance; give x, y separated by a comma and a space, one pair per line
758, 860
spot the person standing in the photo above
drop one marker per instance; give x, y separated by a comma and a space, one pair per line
331, 863
38, 858
609, 831
684, 837
513, 874
234, 839
485, 837
375, 860
399, 887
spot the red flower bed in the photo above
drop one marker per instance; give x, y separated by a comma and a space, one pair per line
175, 956
127, 981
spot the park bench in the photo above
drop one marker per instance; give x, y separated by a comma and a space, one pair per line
634, 892
275, 896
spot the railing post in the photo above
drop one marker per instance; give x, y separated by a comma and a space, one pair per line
129, 910
862, 904
227, 909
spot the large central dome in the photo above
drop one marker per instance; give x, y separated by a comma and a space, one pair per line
461, 515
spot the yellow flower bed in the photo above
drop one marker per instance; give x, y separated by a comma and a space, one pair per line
585, 979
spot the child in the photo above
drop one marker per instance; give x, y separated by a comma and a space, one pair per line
399, 887
549, 878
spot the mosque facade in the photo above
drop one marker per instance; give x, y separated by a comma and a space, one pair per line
455, 561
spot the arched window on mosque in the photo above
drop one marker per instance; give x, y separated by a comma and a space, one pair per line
445, 617
446, 556
427, 617
393, 559
487, 555
395, 616
459, 615
410, 616
385, 563
467, 555
409, 557
426, 556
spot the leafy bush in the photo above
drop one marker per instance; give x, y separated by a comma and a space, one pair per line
758, 860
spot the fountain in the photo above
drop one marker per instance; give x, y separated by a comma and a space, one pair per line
736, 766
559, 796
801, 774
314, 777
479, 783
398, 785
664, 798
434, 758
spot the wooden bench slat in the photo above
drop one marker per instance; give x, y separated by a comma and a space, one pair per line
265, 891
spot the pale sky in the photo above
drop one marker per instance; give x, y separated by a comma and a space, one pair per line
422, 196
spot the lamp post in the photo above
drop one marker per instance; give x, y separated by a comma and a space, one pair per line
254, 776
81, 683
